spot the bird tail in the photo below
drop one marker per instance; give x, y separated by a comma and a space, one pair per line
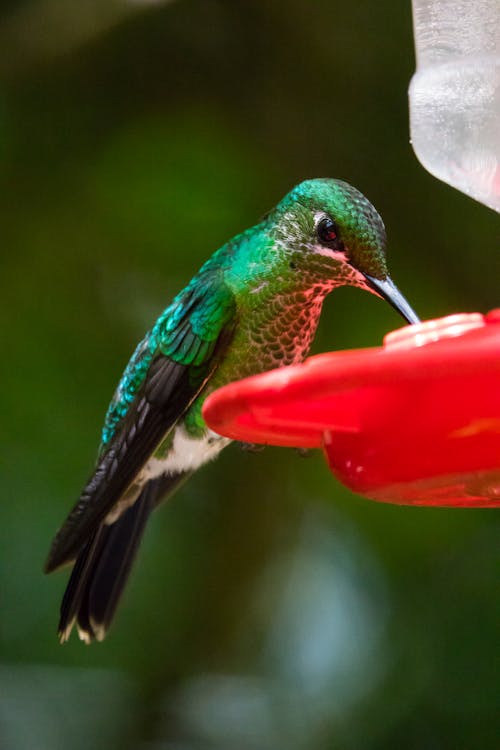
102, 567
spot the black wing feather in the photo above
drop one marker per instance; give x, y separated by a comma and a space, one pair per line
164, 397
189, 347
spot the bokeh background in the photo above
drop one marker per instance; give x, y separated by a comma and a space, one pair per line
270, 608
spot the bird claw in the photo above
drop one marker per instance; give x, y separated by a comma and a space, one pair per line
252, 447
303, 452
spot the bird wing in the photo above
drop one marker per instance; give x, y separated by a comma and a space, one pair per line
187, 342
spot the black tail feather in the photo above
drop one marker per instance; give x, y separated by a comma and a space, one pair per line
102, 568
112, 570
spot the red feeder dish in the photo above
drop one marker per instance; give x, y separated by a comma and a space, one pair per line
416, 421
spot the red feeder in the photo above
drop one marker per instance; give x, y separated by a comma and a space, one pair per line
416, 421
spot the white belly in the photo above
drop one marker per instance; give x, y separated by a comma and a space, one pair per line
185, 454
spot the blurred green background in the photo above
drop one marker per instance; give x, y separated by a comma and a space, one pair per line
270, 608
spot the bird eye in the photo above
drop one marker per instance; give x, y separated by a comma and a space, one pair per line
327, 231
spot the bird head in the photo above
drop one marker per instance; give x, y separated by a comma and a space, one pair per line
331, 236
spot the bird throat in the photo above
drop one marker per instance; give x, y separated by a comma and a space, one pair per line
273, 331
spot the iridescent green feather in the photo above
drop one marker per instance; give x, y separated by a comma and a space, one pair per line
186, 332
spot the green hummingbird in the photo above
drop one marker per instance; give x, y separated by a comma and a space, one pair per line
254, 305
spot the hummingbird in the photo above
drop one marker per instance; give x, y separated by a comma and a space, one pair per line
253, 306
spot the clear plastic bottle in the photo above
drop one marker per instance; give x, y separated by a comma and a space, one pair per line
455, 94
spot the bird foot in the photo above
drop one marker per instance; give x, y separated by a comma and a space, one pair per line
252, 447
303, 452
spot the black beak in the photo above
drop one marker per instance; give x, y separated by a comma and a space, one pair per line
386, 289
